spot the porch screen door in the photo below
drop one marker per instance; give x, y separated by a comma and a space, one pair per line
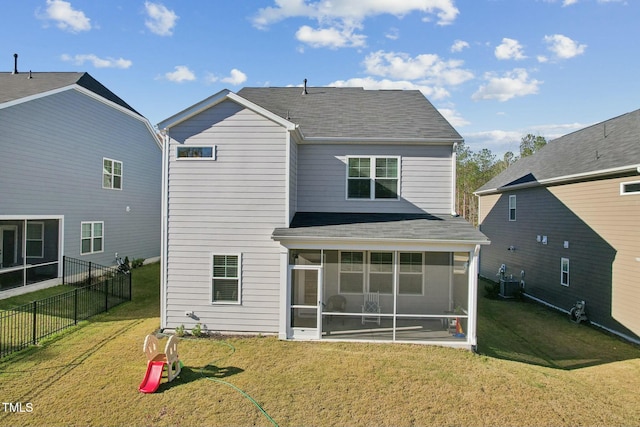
306, 301
8, 246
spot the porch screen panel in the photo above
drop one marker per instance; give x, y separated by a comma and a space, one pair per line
351, 272
381, 272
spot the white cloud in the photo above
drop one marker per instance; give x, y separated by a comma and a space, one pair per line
353, 11
393, 34
502, 88
66, 16
236, 77
160, 20
330, 37
97, 61
373, 84
459, 45
427, 67
181, 74
453, 117
563, 47
509, 49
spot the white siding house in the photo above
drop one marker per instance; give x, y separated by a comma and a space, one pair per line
297, 214
80, 175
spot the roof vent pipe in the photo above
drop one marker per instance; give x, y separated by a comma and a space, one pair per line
304, 92
15, 63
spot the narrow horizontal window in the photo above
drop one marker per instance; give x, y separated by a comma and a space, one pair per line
630, 188
193, 153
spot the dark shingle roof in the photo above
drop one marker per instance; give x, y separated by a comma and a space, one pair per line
330, 112
22, 85
612, 144
380, 226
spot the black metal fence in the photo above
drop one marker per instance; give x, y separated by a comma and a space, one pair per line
99, 288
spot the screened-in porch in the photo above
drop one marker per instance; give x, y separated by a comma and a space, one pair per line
30, 251
409, 296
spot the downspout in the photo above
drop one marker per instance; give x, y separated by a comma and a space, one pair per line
164, 228
453, 179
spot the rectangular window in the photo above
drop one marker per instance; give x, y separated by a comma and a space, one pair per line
226, 278
373, 178
196, 153
512, 208
564, 275
381, 272
351, 272
411, 273
630, 188
92, 237
111, 174
35, 239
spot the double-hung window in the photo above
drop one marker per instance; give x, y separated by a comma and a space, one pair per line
381, 272
111, 174
92, 237
564, 271
35, 239
351, 272
512, 208
411, 273
226, 278
373, 178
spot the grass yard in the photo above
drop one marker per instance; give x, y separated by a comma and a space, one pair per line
534, 368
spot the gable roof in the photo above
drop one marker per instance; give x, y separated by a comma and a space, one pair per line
14, 87
355, 113
606, 148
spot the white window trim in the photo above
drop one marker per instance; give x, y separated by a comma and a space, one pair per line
562, 272
92, 237
372, 178
369, 272
422, 275
113, 174
41, 239
197, 159
364, 267
628, 193
515, 214
239, 278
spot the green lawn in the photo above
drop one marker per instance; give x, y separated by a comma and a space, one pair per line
534, 367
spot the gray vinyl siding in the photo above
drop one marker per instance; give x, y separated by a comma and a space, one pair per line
425, 182
51, 152
226, 206
600, 227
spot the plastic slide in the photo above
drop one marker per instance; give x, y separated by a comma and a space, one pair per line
152, 378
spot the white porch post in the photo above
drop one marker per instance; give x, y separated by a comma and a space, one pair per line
473, 295
285, 291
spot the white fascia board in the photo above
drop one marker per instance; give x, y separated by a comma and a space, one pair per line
562, 179
353, 140
332, 243
219, 97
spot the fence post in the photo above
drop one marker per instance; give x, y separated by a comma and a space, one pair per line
35, 309
75, 306
89, 272
130, 287
106, 294
64, 268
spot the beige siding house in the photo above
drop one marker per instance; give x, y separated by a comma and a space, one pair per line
565, 223
316, 215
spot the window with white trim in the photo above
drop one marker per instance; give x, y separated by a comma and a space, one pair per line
92, 235
351, 272
196, 153
564, 271
630, 188
381, 272
373, 178
111, 174
512, 208
225, 283
35, 239
410, 276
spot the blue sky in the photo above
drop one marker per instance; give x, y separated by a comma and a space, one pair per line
496, 69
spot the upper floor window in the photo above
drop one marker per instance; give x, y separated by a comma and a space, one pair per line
111, 174
373, 178
193, 153
630, 187
564, 271
92, 237
512, 208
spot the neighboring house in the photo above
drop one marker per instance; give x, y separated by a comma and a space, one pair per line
568, 219
320, 213
80, 175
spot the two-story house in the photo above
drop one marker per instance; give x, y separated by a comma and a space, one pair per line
80, 175
565, 222
316, 213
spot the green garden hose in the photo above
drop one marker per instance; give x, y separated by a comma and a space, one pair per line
242, 392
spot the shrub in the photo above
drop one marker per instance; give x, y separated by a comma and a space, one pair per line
197, 330
180, 331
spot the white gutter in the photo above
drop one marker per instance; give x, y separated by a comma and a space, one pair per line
355, 140
562, 179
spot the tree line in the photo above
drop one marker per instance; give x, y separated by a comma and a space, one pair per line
474, 169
